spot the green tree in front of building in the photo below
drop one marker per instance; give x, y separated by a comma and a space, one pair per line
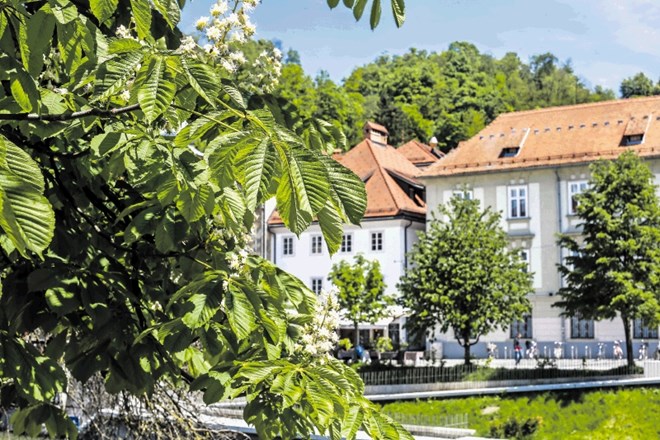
361, 291
614, 268
464, 277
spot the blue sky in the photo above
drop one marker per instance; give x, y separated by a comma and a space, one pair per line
607, 40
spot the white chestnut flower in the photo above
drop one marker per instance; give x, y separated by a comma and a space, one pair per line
188, 45
123, 32
219, 8
320, 336
232, 20
214, 33
237, 57
228, 65
201, 23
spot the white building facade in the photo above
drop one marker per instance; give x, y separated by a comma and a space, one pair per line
395, 215
385, 240
529, 166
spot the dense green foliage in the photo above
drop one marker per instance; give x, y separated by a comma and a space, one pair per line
613, 414
130, 170
639, 85
451, 95
463, 277
361, 291
614, 268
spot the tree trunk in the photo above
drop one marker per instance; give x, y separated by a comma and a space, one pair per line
629, 345
466, 346
466, 353
356, 336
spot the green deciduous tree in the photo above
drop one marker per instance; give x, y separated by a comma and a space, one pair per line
454, 93
130, 168
361, 291
298, 89
638, 85
463, 276
614, 268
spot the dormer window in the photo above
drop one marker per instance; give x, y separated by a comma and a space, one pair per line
632, 139
509, 152
635, 130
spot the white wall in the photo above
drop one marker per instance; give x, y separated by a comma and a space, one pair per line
305, 265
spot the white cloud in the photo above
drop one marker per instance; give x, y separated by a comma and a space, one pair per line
633, 23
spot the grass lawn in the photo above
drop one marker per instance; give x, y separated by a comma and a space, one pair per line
610, 414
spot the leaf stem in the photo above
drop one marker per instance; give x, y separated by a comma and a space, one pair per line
202, 115
67, 116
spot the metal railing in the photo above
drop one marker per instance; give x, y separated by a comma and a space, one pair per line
529, 370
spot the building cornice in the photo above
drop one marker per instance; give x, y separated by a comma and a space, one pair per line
531, 167
412, 217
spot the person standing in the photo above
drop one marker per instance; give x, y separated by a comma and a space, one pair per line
517, 349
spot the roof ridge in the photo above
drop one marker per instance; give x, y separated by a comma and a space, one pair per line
573, 106
421, 145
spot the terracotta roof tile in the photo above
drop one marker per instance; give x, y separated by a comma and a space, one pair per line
554, 136
418, 153
377, 127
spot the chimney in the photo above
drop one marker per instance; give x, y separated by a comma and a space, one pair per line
375, 133
433, 143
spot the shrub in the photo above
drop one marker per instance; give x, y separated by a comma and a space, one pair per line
516, 429
384, 344
345, 344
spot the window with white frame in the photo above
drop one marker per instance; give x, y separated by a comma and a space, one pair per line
633, 139
582, 328
317, 244
287, 245
346, 243
522, 327
376, 241
317, 285
641, 330
524, 255
575, 189
465, 194
518, 201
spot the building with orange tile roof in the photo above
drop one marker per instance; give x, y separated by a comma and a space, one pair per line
396, 211
421, 155
529, 166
